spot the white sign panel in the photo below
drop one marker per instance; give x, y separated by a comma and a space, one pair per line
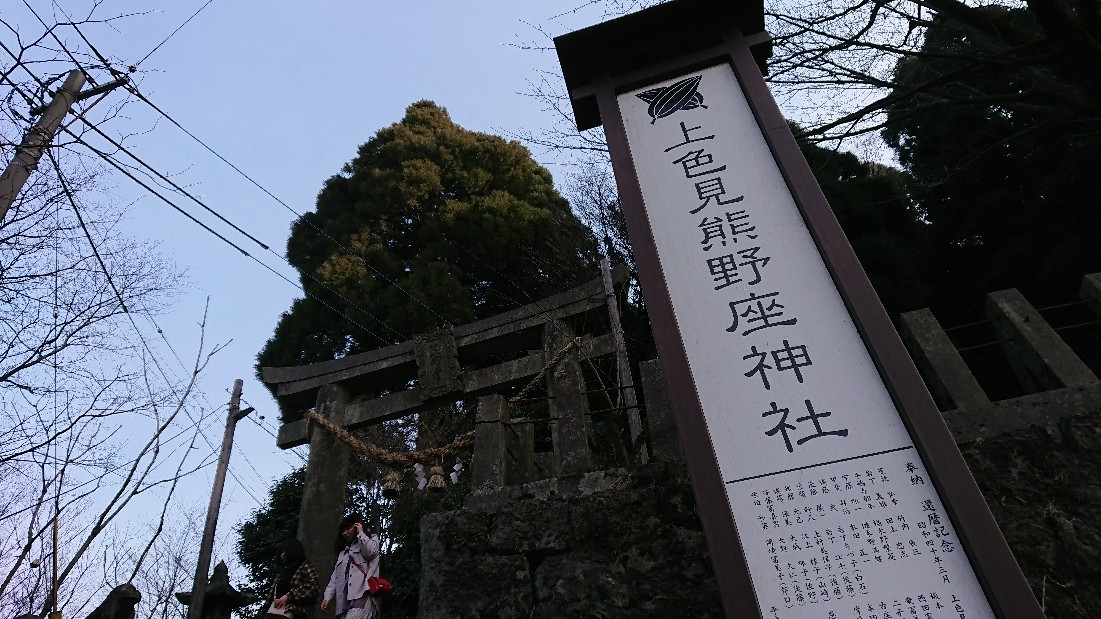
832, 503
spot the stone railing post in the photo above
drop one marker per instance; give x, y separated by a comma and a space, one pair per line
520, 452
664, 440
945, 372
1041, 358
488, 466
1090, 292
565, 386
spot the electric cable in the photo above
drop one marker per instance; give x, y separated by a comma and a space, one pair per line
173, 33
184, 192
65, 49
87, 233
101, 57
128, 174
133, 90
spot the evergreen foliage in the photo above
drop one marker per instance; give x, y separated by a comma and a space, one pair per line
871, 203
258, 537
1000, 168
430, 222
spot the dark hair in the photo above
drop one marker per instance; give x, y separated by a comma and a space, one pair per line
295, 556
340, 543
294, 551
348, 521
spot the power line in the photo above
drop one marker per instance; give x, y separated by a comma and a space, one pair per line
68, 53
128, 174
237, 169
270, 433
102, 58
87, 233
196, 423
173, 33
137, 330
164, 178
209, 405
269, 193
184, 192
143, 98
326, 235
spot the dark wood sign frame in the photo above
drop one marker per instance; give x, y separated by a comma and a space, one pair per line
672, 39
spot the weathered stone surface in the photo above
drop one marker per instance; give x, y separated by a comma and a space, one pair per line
462, 588
1041, 359
446, 533
664, 439
438, 371
565, 384
531, 526
484, 586
609, 544
326, 479
488, 462
570, 585
1043, 485
946, 374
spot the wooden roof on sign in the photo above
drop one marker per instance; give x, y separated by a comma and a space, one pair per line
643, 40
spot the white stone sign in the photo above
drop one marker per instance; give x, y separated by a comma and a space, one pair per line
833, 506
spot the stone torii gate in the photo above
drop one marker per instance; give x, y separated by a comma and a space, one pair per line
445, 366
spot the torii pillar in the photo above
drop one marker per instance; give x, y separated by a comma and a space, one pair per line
325, 481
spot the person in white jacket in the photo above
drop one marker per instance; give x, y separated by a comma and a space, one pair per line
356, 561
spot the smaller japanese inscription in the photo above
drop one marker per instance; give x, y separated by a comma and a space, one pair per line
828, 493
844, 536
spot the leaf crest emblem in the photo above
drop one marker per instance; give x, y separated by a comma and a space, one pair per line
680, 96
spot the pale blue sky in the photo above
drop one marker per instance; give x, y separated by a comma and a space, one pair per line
286, 91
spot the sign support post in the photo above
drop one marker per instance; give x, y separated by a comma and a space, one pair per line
827, 482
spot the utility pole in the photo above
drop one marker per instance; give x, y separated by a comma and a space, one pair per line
626, 384
202, 570
54, 613
30, 151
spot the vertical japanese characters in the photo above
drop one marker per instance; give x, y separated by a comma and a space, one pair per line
736, 255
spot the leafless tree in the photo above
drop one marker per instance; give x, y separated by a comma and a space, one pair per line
94, 425
836, 62
78, 484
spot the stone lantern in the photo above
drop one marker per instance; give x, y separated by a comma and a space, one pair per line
221, 598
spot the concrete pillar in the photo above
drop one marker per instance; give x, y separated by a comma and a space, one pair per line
325, 483
947, 376
565, 384
1040, 357
520, 451
488, 464
1090, 292
664, 440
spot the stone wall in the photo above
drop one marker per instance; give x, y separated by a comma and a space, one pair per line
620, 543
628, 543
1036, 457
1043, 484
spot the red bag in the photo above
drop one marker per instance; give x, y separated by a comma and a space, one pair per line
375, 586
379, 586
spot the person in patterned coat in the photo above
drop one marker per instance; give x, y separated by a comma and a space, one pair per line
296, 589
